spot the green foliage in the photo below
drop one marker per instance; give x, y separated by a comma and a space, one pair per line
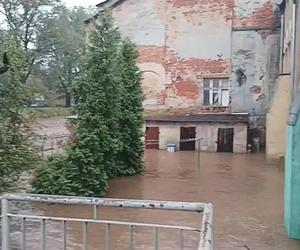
27, 21
67, 41
131, 121
50, 177
16, 152
110, 119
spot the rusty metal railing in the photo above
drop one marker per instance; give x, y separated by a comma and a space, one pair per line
204, 230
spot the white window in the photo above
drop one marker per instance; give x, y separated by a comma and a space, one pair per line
216, 92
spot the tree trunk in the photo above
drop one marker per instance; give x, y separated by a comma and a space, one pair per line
68, 100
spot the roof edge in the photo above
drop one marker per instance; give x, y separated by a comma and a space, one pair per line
103, 6
109, 3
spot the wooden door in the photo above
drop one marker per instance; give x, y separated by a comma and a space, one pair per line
152, 138
225, 140
187, 138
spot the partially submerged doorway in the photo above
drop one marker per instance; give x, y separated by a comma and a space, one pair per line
187, 138
152, 138
225, 140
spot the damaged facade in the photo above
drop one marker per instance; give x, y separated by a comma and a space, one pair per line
200, 57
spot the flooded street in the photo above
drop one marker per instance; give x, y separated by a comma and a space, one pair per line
246, 191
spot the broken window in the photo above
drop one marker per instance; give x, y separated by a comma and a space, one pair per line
216, 92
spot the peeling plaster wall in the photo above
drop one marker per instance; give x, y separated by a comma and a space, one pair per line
257, 57
179, 42
255, 53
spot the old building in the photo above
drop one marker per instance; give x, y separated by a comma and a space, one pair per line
217, 57
283, 118
286, 85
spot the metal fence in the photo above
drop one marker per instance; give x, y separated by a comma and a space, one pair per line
48, 145
204, 230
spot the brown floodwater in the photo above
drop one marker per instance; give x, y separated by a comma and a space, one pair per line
246, 191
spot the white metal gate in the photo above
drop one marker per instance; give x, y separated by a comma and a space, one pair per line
204, 230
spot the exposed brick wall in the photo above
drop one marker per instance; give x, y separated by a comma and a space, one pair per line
265, 16
180, 42
181, 72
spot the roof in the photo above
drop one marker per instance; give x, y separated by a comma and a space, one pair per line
104, 5
205, 118
109, 3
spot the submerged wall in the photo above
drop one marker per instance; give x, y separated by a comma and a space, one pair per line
169, 132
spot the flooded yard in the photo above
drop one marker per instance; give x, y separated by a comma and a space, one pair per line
246, 191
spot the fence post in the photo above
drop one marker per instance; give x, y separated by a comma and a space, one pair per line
198, 156
5, 224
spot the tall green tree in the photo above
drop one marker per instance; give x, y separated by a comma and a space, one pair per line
109, 125
94, 156
28, 22
131, 152
16, 148
62, 64
92, 160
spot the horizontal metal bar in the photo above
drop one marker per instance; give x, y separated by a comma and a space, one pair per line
144, 204
122, 223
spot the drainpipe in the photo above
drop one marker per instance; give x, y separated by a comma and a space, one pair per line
281, 44
293, 51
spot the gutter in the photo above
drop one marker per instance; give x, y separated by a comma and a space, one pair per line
293, 51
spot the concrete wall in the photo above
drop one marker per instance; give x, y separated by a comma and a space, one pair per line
277, 119
170, 133
292, 182
292, 163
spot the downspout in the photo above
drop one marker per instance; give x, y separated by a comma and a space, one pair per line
281, 44
293, 51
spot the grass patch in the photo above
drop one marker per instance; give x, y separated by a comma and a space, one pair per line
47, 112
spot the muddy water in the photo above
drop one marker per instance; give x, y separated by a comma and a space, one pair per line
246, 193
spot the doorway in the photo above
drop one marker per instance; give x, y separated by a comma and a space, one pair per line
152, 138
187, 138
225, 140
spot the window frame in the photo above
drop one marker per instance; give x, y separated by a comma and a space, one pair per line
219, 90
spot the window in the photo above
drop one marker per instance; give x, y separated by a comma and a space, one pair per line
216, 92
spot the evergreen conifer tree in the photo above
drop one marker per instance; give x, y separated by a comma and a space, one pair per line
110, 120
131, 121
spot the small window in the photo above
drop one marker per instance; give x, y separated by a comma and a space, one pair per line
216, 92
